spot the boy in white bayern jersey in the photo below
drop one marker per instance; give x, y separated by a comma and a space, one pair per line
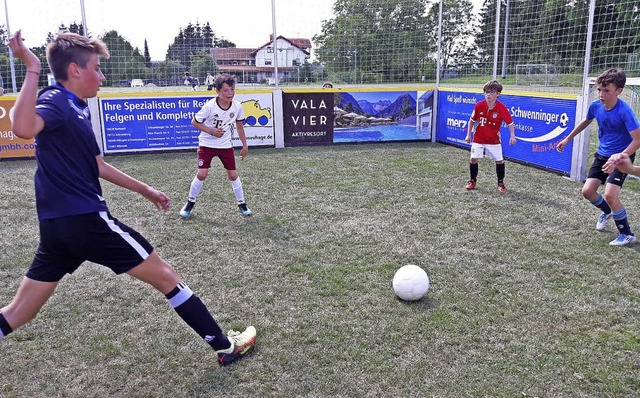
218, 119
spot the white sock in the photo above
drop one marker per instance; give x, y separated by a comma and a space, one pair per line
237, 190
196, 186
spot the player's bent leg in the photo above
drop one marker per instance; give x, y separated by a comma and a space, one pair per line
590, 189
232, 175
612, 196
194, 191
27, 302
202, 174
156, 272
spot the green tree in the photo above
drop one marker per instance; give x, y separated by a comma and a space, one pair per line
615, 37
201, 63
458, 32
5, 64
370, 40
147, 57
124, 63
555, 32
191, 51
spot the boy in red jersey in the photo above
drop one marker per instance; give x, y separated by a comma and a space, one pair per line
486, 120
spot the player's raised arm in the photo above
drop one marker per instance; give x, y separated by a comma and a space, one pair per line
25, 122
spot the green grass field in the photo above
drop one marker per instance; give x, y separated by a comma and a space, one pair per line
526, 298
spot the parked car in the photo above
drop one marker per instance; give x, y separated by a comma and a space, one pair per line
137, 83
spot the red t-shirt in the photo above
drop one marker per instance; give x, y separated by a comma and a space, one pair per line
488, 122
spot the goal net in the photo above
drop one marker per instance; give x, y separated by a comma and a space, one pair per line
537, 74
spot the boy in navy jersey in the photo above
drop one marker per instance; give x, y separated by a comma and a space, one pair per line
75, 223
618, 131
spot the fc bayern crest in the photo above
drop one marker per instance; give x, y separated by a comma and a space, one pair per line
232, 115
494, 115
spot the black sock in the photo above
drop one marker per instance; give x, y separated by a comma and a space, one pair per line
500, 171
622, 222
5, 328
193, 311
602, 204
473, 169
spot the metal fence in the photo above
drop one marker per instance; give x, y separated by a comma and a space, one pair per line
533, 44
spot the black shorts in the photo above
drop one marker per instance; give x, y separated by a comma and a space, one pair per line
67, 242
615, 178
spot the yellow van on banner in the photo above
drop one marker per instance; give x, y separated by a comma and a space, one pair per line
10, 145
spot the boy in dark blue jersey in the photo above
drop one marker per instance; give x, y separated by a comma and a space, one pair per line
75, 223
618, 131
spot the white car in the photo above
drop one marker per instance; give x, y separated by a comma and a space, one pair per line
137, 83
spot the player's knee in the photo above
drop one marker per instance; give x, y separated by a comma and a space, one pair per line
610, 197
202, 174
588, 193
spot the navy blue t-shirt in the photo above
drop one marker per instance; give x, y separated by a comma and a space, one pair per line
67, 178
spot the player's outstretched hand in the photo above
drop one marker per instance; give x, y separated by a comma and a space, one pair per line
561, 145
22, 52
158, 198
620, 161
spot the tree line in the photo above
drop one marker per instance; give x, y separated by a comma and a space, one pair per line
389, 41
397, 40
189, 52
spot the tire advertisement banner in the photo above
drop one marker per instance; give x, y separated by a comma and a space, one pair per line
540, 123
164, 123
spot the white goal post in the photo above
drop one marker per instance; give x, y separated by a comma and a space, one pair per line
537, 74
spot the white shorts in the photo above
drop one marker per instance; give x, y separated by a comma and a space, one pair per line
492, 151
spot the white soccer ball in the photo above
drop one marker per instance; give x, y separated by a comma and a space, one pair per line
564, 120
410, 282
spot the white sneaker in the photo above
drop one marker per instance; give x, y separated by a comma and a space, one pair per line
623, 240
603, 221
241, 343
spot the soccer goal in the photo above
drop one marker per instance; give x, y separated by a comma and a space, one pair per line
537, 74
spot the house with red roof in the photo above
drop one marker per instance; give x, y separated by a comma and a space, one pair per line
257, 65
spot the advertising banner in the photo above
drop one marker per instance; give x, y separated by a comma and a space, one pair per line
10, 145
356, 116
164, 123
308, 118
540, 123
